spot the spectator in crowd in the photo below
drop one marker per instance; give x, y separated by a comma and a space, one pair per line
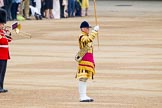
78, 8
20, 12
85, 6
48, 9
14, 9
38, 5
21, 9
65, 3
43, 8
35, 6
71, 8
24, 9
56, 9
61, 8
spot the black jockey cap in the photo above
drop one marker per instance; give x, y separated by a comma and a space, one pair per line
85, 24
3, 16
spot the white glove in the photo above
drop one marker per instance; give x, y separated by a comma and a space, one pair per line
96, 28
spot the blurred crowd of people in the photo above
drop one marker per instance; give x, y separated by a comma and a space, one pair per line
48, 9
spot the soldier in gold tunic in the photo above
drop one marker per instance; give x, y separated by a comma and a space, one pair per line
86, 67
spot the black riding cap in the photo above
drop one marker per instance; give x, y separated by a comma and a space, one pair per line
85, 24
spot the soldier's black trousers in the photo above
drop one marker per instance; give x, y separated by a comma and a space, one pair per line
3, 65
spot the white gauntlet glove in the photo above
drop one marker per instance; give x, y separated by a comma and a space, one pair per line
96, 28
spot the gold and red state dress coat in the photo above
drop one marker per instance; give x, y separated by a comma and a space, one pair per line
86, 67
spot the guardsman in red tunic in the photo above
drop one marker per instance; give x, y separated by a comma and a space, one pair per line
5, 37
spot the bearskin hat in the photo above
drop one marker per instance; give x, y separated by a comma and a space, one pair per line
3, 16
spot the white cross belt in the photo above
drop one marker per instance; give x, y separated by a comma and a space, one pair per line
3, 46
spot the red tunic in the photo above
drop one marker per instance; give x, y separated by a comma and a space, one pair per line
4, 50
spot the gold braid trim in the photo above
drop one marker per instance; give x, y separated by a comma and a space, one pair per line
85, 72
86, 63
83, 69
